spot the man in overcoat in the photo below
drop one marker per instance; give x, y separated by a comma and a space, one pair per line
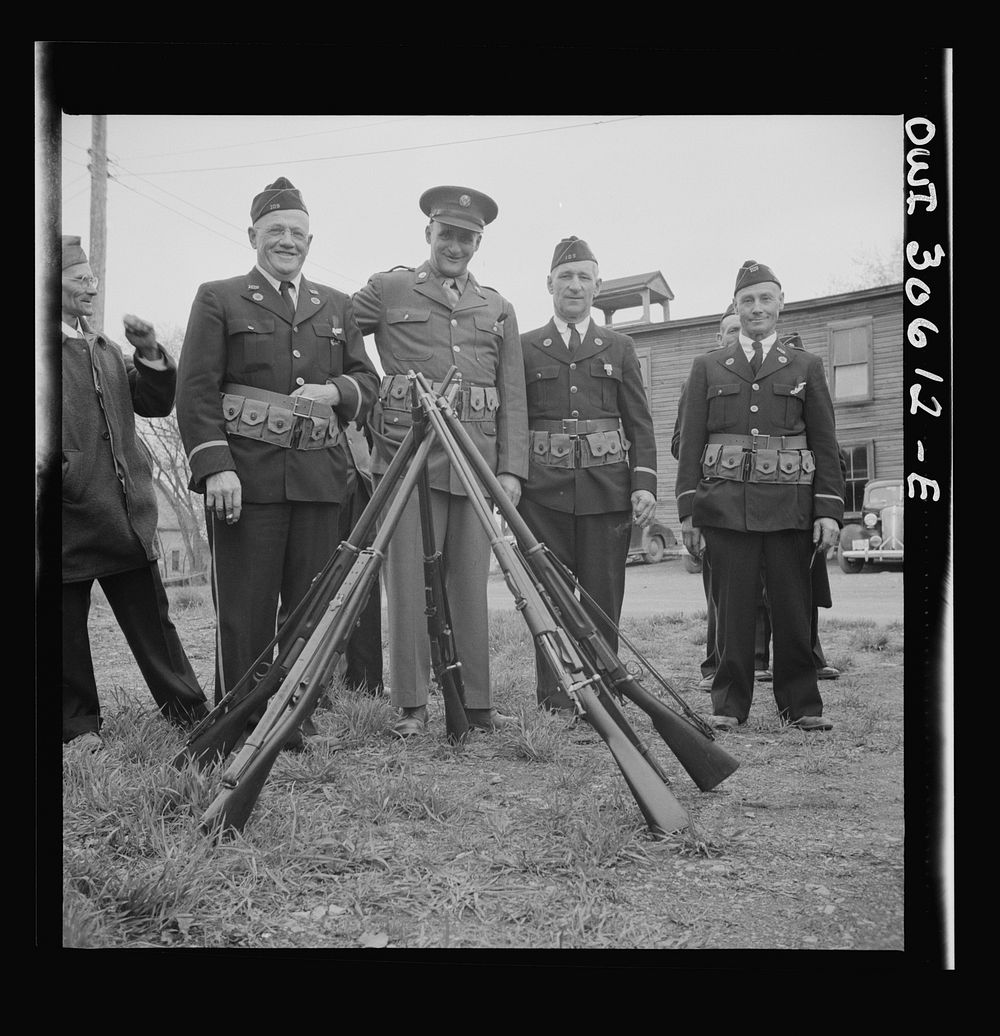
273, 365
592, 470
109, 509
429, 319
759, 480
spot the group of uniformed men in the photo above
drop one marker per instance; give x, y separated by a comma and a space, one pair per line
273, 370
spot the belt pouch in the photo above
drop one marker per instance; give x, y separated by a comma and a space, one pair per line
251, 419
765, 466
560, 450
789, 465
279, 426
540, 447
710, 460
314, 433
808, 466
731, 460
231, 407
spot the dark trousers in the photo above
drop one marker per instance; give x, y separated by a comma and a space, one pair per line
711, 663
272, 552
364, 649
762, 637
736, 567
594, 548
140, 605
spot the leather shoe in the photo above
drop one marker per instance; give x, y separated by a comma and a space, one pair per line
705, 683
763, 675
827, 673
811, 723
89, 742
411, 721
489, 719
725, 722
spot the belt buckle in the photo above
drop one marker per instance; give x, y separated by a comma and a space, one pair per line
307, 412
760, 446
569, 425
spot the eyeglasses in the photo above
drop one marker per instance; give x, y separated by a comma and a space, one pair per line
86, 282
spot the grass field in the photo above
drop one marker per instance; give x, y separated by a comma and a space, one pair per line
528, 838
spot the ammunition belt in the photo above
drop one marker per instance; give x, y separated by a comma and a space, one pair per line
474, 404
590, 444
293, 422
758, 458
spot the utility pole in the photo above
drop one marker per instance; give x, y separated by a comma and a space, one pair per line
98, 210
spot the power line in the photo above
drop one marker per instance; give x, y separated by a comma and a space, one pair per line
270, 140
212, 230
395, 150
226, 222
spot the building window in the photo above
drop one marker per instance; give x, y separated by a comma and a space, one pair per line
175, 561
851, 359
859, 457
643, 358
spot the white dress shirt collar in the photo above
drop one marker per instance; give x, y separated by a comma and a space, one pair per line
276, 283
582, 326
747, 344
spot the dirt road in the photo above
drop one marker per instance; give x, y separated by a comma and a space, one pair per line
668, 587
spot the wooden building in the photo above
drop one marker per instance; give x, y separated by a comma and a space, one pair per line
859, 334
183, 551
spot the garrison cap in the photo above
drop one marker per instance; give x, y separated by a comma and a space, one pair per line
459, 207
793, 340
730, 311
72, 252
571, 250
752, 272
278, 195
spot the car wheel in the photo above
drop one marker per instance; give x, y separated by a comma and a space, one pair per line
654, 552
849, 565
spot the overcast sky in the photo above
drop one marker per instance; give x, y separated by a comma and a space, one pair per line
669, 193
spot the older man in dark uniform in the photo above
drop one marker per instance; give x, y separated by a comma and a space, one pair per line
429, 319
273, 365
108, 507
759, 480
593, 453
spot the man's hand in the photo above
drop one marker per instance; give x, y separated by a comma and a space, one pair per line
693, 539
224, 496
643, 507
826, 532
328, 394
141, 335
511, 486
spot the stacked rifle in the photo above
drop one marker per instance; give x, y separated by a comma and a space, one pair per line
315, 635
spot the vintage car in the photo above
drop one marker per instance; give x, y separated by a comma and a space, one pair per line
650, 544
879, 537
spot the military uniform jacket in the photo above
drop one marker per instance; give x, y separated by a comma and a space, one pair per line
239, 332
602, 379
108, 506
788, 396
416, 329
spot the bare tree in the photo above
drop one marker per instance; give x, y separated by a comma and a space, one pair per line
171, 472
873, 268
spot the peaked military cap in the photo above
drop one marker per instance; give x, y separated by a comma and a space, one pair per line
459, 207
752, 272
72, 252
571, 250
278, 195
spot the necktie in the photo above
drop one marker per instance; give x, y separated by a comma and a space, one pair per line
758, 356
286, 294
574, 339
451, 291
